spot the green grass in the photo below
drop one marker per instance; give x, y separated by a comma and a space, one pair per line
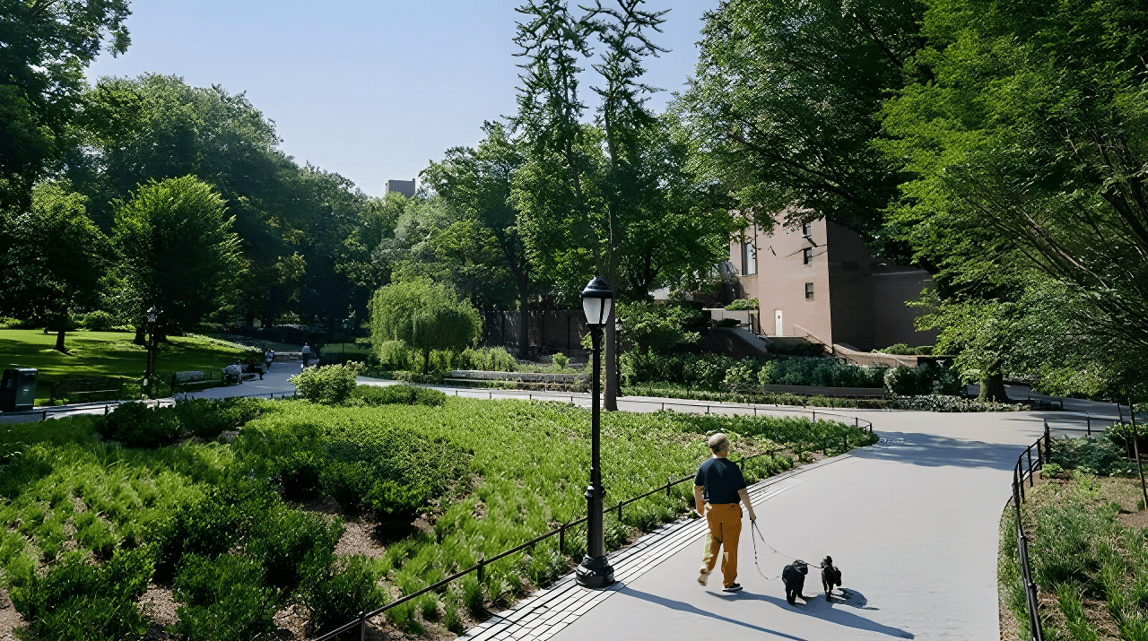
105, 355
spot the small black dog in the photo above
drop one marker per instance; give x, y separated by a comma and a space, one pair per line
830, 576
793, 576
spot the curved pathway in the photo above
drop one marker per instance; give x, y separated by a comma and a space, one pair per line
912, 522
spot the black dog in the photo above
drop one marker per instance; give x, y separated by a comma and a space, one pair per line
830, 576
793, 576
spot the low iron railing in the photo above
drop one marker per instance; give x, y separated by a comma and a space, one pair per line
1018, 495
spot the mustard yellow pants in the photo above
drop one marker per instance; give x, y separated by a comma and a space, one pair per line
725, 532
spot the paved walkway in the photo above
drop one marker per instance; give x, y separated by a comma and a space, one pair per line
912, 522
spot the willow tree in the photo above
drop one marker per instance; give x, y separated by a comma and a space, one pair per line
423, 315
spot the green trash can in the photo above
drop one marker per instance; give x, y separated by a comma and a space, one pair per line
18, 390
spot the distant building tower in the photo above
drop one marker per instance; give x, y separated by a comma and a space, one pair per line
404, 187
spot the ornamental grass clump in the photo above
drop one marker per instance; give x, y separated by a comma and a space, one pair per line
336, 594
138, 425
224, 597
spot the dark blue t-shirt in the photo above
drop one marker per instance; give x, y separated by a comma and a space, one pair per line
721, 479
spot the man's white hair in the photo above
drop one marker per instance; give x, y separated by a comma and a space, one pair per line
718, 441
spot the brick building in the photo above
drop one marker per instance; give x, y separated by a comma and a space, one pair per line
819, 281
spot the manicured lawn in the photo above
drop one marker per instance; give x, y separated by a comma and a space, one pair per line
106, 355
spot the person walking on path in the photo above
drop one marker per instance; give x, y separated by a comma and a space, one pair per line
720, 487
306, 354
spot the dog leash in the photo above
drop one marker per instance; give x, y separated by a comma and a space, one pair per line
755, 528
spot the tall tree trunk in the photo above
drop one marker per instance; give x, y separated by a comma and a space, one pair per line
61, 330
524, 316
139, 339
992, 388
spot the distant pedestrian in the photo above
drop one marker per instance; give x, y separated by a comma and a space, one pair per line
720, 487
306, 354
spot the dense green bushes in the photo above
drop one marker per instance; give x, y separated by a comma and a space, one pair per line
742, 304
1106, 453
329, 384
364, 459
926, 378
141, 425
490, 359
396, 395
705, 371
710, 371
225, 597
395, 357
339, 592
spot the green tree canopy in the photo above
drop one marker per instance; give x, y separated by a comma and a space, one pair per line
53, 258
44, 47
785, 103
177, 254
1032, 133
477, 183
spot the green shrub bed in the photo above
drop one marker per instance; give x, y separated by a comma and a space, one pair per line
1089, 558
88, 518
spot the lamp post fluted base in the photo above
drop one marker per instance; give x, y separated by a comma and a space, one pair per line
594, 572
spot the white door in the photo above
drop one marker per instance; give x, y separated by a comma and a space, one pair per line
778, 326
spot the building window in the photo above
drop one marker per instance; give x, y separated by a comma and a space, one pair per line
748, 258
809, 291
807, 255
807, 229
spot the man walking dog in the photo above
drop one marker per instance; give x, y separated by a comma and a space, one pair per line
720, 486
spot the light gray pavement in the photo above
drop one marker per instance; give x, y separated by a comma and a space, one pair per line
274, 382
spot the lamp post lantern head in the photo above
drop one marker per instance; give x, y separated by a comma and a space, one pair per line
597, 302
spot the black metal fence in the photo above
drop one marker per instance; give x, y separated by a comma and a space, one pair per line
1020, 473
1025, 469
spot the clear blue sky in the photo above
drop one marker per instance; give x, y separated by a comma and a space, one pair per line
370, 90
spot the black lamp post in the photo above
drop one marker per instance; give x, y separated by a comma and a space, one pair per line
595, 571
152, 317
